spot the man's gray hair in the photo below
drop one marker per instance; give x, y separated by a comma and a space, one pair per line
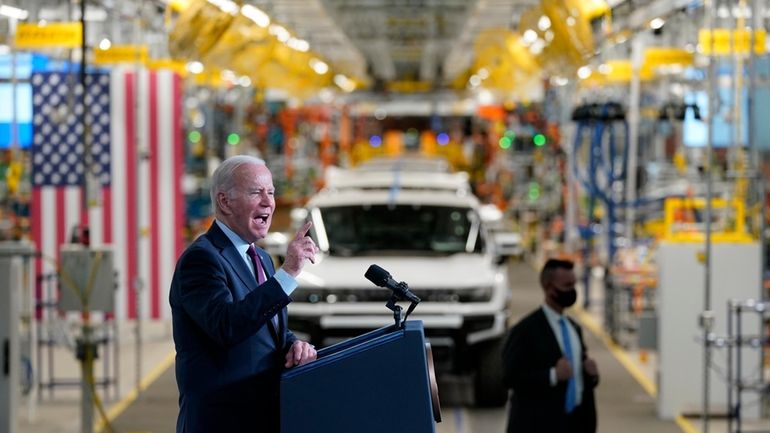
222, 180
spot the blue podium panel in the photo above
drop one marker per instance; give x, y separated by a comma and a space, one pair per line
379, 382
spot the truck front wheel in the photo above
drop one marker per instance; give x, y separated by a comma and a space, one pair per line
488, 387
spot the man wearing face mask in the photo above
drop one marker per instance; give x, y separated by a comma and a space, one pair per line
546, 364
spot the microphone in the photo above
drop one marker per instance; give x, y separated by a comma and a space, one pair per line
380, 277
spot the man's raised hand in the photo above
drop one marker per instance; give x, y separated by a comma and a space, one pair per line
301, 248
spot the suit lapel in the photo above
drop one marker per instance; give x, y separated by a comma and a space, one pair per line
244, 273
230, 253
552, 342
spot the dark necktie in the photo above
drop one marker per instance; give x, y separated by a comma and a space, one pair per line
569, 403
259, 274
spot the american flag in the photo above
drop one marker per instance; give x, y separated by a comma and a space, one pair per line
135, 137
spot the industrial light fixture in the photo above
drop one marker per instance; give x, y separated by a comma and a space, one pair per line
537, 47
105, 44
228, 75
657, 23
544, 23
319, 66
255, 14
344, 83
300, 45
226, 6
559, 81
13, 12
584, 72
529, 37
244, 81
485, 97
195, 67
279, 32
723, 12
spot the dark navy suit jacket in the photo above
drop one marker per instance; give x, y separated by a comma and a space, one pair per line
229, 355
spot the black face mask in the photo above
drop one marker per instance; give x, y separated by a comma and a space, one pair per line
565, 298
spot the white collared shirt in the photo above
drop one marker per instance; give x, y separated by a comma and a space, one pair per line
577, 351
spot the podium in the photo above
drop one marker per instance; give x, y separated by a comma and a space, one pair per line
379, 382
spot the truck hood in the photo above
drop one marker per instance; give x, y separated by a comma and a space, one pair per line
459, 270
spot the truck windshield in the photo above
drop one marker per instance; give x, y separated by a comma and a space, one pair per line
416, 229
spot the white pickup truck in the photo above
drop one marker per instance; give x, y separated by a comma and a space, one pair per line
427, 231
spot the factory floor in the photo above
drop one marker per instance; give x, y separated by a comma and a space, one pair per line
146, 398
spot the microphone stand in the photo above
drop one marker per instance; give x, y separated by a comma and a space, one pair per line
395, 308
394, 297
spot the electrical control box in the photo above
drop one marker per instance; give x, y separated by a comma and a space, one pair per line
11, 271
735, 274
86, 277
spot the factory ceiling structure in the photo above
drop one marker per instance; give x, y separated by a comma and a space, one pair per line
396, 40
394, 46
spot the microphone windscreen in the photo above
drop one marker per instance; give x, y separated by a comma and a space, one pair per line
377, 275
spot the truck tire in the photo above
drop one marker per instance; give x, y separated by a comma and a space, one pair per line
489, 390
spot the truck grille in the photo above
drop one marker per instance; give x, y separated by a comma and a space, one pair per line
331, 296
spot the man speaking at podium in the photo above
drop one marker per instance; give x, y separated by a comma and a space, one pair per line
228, 307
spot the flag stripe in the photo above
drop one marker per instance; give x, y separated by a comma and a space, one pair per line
178, 192
107, 214
155, 215
50, 223
115, 205
142, 201
37, 225
166, 186
130, 198
84, 217
95, 230
71, 202
61, 223
179, 209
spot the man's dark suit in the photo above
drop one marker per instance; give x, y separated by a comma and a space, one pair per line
536, 406
228, 353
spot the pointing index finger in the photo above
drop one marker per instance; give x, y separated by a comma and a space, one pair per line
302, 232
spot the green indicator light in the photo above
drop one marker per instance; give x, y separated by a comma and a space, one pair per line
534, 191
539, 140
233, 139
505, 143
194, 136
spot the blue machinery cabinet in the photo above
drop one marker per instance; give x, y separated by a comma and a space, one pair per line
379, 382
